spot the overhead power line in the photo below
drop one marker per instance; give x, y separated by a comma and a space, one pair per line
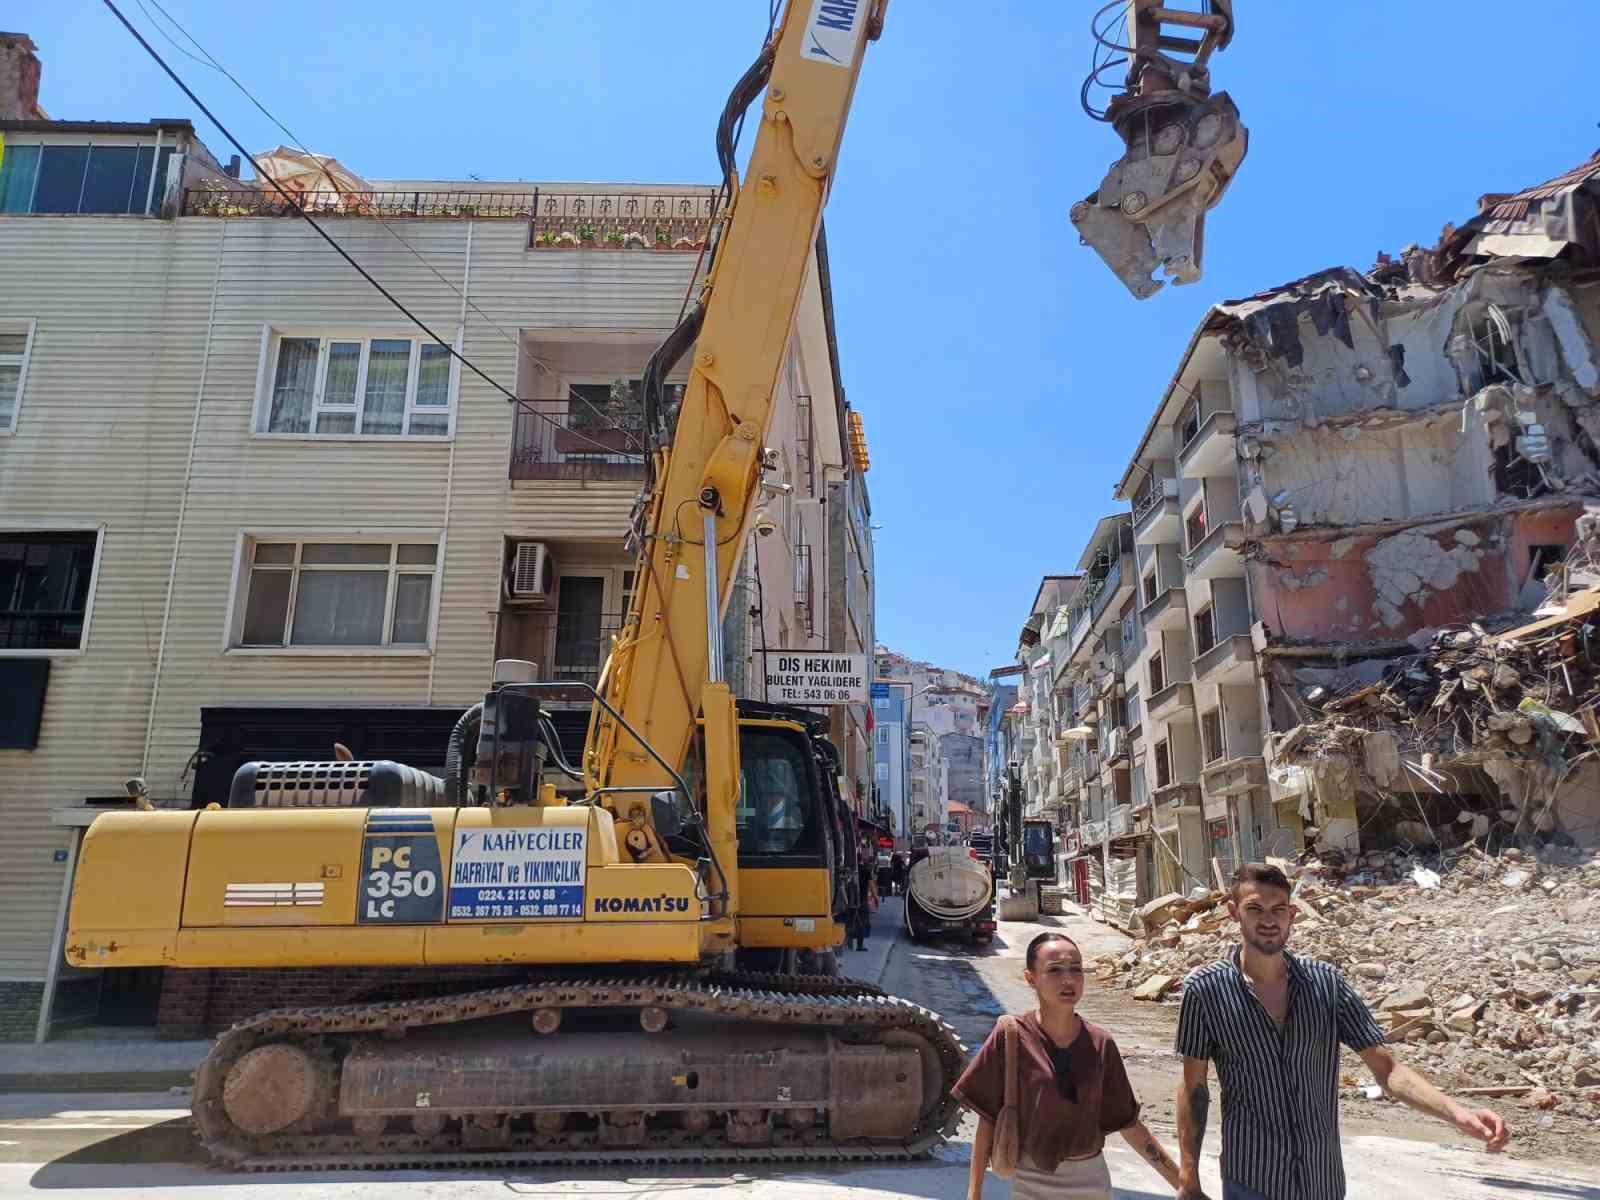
289, 199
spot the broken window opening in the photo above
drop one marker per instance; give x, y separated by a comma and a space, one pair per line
1543, 556
1494, 353
1211, 735
1194, 527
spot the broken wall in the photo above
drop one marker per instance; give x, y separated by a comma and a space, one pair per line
1356, 407
1385, 584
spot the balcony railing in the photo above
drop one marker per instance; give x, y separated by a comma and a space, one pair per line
605, 219
568, 646
550, 442
266, 202
41, 630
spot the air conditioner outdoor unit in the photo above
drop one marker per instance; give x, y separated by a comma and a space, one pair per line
533, 572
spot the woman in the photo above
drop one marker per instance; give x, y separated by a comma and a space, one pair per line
1072, 1090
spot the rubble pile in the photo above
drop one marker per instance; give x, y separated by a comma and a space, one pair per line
1528, 694
1486, 966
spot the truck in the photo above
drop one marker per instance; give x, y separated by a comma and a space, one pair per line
950, 890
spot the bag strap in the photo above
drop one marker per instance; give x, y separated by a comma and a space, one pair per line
1012, 1054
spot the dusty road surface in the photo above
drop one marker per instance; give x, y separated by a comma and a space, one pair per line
138, 1147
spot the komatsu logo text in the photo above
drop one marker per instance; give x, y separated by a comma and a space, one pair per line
641, 904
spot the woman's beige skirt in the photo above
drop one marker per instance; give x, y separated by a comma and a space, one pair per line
1075, 1179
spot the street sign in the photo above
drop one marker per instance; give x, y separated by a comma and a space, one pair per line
812, 678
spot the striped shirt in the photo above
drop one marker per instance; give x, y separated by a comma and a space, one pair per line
1280, 1088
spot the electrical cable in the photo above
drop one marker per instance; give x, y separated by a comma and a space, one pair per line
338, 249
210, 60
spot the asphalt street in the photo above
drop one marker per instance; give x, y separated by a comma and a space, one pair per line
138, 1146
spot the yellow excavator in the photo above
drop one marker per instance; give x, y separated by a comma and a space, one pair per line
666, 935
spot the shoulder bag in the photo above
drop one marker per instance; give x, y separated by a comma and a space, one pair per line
1007, 1134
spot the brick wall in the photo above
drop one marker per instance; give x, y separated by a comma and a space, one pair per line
19, 1010
200, 1002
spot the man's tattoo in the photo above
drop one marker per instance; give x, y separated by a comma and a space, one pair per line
1199, 1107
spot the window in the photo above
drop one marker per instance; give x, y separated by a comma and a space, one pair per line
1150, 588
357, 386
86, 179
46, 581
1205, 630
16, 339
1189, 424
1158, 678
1163, 756
1194, 526
803, 444
1211, 735
345, 594
1134, 714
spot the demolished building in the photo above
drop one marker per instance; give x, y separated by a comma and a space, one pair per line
1341, 468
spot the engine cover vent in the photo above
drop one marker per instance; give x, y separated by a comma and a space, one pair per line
380, 784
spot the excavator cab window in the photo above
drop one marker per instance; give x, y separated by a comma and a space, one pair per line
777, 813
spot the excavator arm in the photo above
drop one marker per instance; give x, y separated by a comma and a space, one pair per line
666, 673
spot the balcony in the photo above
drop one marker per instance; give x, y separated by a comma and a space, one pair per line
267, 202
1234, 776
1211, 450
1230, 661
1218, 556
551, 441
1175, 702
1119, 821
1094, 833
1155, 514
1169, 610
1172, 800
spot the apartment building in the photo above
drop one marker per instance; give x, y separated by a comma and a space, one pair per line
1339, 469
242, 493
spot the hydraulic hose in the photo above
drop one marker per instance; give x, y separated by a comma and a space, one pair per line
460, 754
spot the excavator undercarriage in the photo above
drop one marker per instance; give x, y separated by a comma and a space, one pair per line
688, 1067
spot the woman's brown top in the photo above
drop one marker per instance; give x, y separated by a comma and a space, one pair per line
1051, 1127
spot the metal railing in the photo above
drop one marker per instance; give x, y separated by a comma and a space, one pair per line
569, 646
266, 202
41, 630
605, 219
1152, 496
550, 442
803, 610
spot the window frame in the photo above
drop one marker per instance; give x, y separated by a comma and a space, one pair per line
1206, 619
98, 528
29, 327
272, 339
244, 562
1161, 755
149, 205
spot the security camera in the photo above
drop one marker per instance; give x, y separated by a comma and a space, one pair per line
778, 489
763, 524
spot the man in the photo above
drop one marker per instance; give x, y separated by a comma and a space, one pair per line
1273, 1024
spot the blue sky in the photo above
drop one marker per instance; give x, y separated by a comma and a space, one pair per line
1003, 373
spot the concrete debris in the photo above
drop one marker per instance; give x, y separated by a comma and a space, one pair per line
1489, 1000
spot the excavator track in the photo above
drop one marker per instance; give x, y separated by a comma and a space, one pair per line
324, 1140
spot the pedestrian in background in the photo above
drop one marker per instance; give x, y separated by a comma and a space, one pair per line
861, 925
1273, 1023
1059, 1083
897, 873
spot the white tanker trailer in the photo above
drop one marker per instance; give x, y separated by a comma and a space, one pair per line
949, 890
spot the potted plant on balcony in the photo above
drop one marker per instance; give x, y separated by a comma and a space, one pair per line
684, 243
566, 240
634, 241
614, 239
587, 234
545, 237
663, 238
